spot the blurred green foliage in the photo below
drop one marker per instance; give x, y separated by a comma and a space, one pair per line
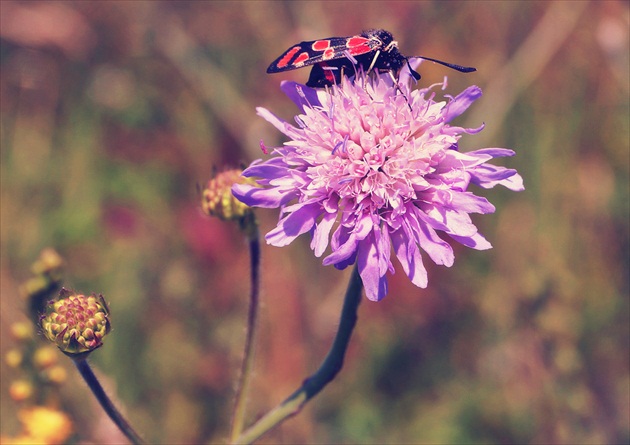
112, 112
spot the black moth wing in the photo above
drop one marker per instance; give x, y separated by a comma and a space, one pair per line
328, 73
303, 54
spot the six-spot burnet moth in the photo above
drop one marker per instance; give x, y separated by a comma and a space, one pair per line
372, 49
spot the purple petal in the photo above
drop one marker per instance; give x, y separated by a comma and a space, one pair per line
409, 256
384, 245
476, 241
468, 202
461, 103
322, 231
374, 282
514, 183
273, 168
301, 95
344, 251
341, 265
454, 131
455, 221
438, 250
488, 176
493, 152
280, 124
258, 197
454, 160
292, 226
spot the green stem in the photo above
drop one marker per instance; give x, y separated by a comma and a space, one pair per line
329, 368
98, 391
238, 418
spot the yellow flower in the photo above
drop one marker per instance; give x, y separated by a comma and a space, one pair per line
45, 357
45, 425
20, 390
22, 330
14, 358
56, 374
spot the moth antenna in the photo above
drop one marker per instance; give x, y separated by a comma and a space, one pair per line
461, 69
416, 75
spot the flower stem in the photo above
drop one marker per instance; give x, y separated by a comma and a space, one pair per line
329, 368
250, 226
98, 391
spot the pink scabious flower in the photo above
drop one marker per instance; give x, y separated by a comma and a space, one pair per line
378, 166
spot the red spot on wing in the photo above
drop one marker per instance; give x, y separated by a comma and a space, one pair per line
360, 49
329, 74
287, 57
299, 60
358, 45
320, 45
356, 41
328, 54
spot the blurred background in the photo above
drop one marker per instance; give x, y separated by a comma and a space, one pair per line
113, 112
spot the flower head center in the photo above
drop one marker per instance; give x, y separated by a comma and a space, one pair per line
366, 144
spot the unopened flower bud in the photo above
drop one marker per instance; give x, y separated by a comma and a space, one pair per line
217, 199
47, 280
48, 263
76, 323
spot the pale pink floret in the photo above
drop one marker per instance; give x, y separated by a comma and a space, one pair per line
370, 167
